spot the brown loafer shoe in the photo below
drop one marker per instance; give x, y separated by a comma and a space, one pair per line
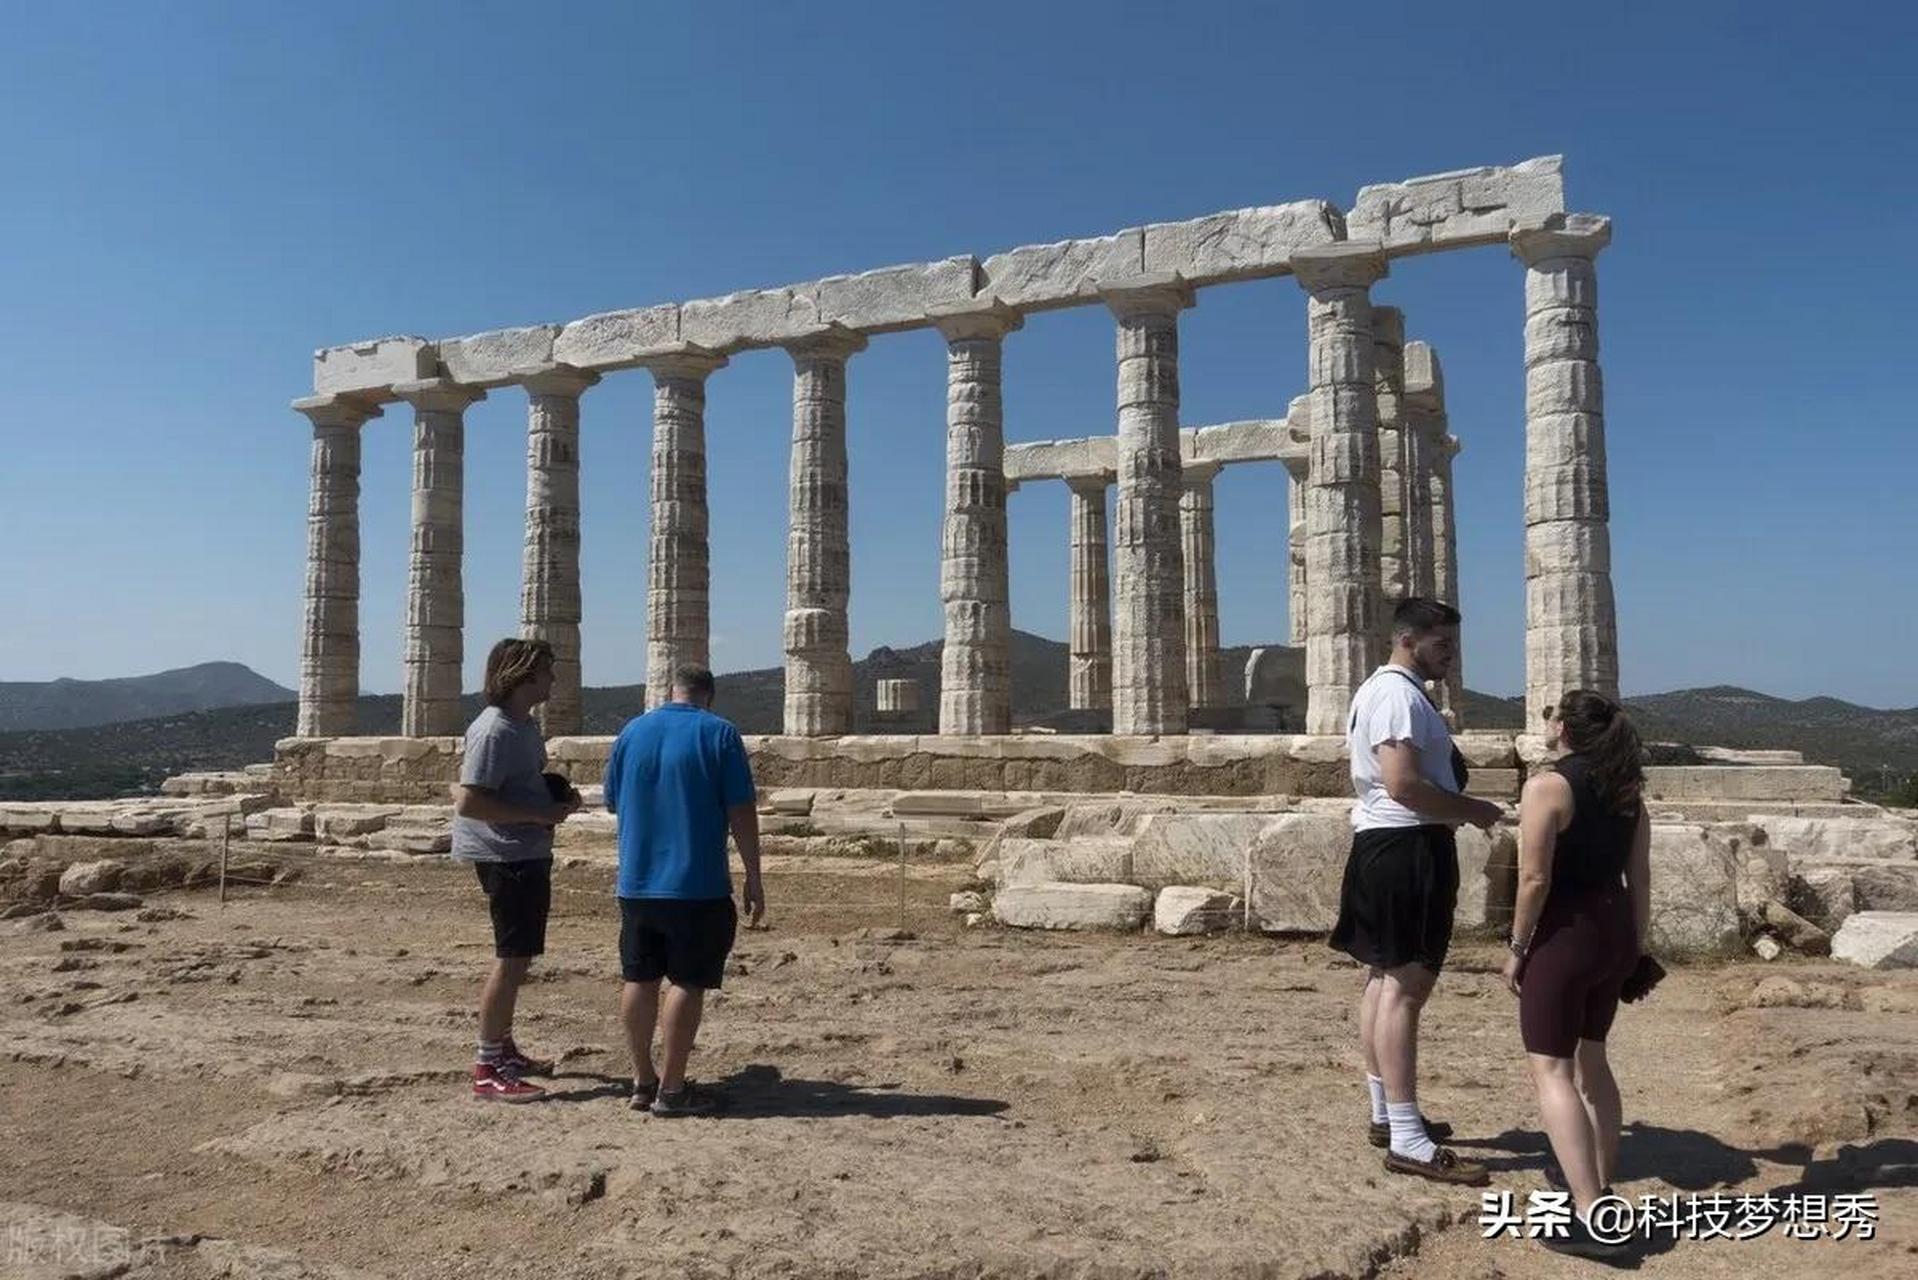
1380, 1134
1444, 1166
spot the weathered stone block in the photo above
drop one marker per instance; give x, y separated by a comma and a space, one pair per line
1451, 210
1041, 276
1694, 892
1195, 849
371, 368
1840, 837
1487, 877
83, 878
1878, 940
492, 359
1088, 860
894, 298
1239, 244
1298, 865
1072, 906
753, 318
1744, 782
1180, 910
618, 339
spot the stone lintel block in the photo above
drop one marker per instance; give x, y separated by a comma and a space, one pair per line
1240, 244
1424, 378
1041, 277
752, 318
1458, 209
1349, 264
1072, 906
1255, 440
371, 368
496, 359
337, 410
1056, 459
1564, 235
617, 339
891, 299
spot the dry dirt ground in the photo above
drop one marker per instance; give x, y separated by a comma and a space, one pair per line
277, 1088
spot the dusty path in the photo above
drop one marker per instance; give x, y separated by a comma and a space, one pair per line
285, 1079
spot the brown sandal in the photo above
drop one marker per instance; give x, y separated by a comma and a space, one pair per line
1444, 1166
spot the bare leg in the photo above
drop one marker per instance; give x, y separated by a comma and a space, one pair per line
1600, 1088
499, 995
1567, 1125
1395, 1029
1368, 1012
639, 1011
679, 1014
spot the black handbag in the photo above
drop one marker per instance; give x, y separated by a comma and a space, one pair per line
1647, 974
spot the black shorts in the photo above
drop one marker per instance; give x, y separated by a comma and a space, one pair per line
518, 894
1398, 896
1585, 946
685, 940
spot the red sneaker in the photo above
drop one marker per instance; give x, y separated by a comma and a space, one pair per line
498, 1084
512, 1058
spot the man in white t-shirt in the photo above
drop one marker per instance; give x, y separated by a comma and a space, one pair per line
1401, 879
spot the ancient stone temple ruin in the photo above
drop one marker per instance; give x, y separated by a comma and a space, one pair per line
1367, 449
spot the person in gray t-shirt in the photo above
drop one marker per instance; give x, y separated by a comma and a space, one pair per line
503, 820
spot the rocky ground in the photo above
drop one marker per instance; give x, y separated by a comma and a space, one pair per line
276, 1088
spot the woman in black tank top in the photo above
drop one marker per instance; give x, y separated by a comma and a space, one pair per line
1584, 901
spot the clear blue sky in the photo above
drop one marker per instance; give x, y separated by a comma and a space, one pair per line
198, 195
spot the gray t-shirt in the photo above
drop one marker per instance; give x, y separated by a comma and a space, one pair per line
507, 757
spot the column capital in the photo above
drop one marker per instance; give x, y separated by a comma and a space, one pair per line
1299, 467
441, 395
983, 317
834, 341
1199, 475
336, 410
1090, 482
1346, 264
687, 360
1163, 293
554, 379
1561, 235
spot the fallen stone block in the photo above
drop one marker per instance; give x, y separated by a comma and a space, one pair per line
28, 819
1694, 892
1098, 859
1890, 887
1072, 906
969, 901
791, 800
1188, 909
1487, 878
1840, 837
1195, 849
1822, 893
414, 840
83, 878
280, 824
338, 822
1033, 824
1298, 866
1798, 933
107, 902
1878, 940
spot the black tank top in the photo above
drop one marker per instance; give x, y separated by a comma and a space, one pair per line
1592, 851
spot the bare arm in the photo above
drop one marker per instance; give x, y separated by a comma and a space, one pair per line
483, 805
1638, 877
743, 820
1399, 769
1544, 809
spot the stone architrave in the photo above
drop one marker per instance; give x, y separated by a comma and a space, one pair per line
1571, 629
549, 598
1388, 376
1202, 674
435, 595
1342, 494
975, 671
330, 636
1089, 661
679, 569
1148, 625
818, 549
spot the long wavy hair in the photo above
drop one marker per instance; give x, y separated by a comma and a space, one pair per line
1598, 729
511, 664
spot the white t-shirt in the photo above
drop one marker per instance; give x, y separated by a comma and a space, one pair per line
1391, 706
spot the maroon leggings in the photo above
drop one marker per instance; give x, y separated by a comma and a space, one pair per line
1584, 948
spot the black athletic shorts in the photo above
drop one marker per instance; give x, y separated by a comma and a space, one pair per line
685, 940
1585, 946
518, 894
1398, 896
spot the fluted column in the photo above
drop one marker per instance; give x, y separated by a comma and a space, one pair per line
435, 597
1430, 531
679, 566
1295, 534
1202, 675
549, 600
818, 549
1089, 665
1445, 560
1342, 493
330, 635
1148, 622
975, 670
1571, 628
1388, 377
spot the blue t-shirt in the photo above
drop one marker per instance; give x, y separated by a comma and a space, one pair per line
673, 774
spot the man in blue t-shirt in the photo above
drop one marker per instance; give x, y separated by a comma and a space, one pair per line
678, 780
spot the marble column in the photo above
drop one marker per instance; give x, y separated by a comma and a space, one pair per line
1342, 493
549, 600
975, 669
1295, 580
1388, 377
1089, 666
818, 550
330, 636
1571, 629
678, 566
1202, 674
1148, 621
435, 596
1445, 561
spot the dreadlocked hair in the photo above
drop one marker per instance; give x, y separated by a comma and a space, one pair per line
1598, 729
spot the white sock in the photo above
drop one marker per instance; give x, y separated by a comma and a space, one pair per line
1409, 1138
1376, 1087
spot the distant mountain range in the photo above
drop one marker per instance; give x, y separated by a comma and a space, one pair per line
80, 758
75, 704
